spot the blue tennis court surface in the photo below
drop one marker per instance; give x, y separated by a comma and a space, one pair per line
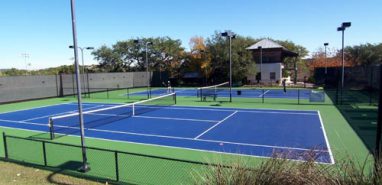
250, 132
245, 93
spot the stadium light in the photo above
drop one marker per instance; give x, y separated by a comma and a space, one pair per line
139, 41
230, 35
84, 168
342, 29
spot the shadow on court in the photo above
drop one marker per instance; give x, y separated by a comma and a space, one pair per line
360, 113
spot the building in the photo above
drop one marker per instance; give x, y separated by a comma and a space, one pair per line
269, 57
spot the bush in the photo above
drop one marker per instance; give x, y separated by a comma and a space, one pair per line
281, 171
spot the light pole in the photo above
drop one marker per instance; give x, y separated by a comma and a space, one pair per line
26, 56
205, 67
139, 41
342, 28
326, 63
326, 59
230, 35
84, 167
83, 63
261, 62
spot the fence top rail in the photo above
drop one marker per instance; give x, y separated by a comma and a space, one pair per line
123, 152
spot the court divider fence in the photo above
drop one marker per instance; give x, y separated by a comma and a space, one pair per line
105, 164
293, 96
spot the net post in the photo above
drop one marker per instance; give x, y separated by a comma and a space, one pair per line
175, 98
201, 94
51, 130
262, 97
298, 96
5, 146
107, 93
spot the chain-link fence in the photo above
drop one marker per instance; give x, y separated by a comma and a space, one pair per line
102, 85
360, 84
104, 164
273, 95
18, 88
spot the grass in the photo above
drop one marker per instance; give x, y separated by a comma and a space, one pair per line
343, 137
16, 174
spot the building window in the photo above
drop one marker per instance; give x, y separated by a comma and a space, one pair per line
272, 75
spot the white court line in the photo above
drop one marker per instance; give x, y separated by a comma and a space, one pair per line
245, 111
62, 113
262, 94
326, 138
190, 139
215, 125
153, 117
163, 136
170, 137
12, 111
167, 146
24, 122
180, 119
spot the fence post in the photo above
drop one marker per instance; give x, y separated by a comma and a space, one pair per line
116, 166
127, 93
51, 129
44, 153
88, 84
371, 86
5, 146
73, 84
61, 85
201, 94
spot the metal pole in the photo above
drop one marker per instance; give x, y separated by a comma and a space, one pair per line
343, 60
261, 64
83, 68
85, 166
147, 74
326, 63
379, 125
230, 69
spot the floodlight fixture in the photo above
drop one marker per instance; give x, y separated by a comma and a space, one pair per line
346, 24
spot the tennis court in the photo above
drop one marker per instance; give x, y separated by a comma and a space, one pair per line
249, 132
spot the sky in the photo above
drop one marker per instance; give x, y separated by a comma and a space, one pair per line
42, 28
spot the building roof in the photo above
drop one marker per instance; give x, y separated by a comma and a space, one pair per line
265, 44
269, 44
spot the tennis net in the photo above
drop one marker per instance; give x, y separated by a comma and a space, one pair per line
70, 124
211, 90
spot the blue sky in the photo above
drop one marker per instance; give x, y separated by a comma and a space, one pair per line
42, 28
